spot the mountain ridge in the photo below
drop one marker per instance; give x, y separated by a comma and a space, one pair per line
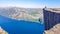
21, 13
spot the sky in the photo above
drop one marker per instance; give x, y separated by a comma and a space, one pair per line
30, 3
51, 3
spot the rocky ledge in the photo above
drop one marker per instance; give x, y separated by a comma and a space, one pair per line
2, 31
54, 30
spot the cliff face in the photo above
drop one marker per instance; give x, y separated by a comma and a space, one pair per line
50, 19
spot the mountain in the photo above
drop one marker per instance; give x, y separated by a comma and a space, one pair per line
28, 14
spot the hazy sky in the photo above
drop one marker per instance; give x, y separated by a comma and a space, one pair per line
51, 3
30, 3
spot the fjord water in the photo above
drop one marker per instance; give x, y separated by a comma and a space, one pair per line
20, 27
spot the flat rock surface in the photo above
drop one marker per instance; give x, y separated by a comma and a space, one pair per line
54, 30
2, 31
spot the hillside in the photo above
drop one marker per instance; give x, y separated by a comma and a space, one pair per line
30, 14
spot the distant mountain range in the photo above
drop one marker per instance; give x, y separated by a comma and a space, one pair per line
28, 14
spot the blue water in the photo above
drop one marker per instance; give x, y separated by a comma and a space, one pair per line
20, 27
